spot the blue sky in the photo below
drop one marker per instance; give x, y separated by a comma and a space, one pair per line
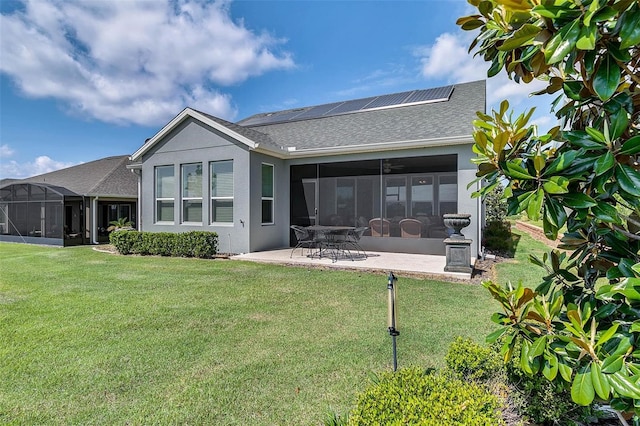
83, 80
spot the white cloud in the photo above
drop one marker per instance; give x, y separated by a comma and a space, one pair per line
6, 151
134, 61
449, 59
42, 164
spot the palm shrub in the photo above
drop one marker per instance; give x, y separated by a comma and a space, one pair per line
579, 328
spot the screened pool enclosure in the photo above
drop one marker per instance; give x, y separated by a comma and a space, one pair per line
48, 214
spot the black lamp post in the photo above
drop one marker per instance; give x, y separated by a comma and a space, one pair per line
392, 322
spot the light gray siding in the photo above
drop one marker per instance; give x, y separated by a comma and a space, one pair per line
265, 237
194, 142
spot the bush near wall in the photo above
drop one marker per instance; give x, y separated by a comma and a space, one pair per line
199, 244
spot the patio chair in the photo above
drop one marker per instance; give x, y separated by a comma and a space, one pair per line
352, 241
410, 228
379, 227
304, 238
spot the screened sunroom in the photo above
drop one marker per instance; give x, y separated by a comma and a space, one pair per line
41, 214
400, 200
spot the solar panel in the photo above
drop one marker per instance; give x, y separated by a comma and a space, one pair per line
388, 100
326, 110
318, 111
275, 117
352, 106
437, 94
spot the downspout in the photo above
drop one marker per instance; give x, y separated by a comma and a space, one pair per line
94, 221
138, 224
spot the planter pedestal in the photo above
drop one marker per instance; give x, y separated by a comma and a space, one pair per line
458, 255
457, 247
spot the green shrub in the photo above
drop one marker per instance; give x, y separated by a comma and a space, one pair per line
541, 401
532, 397
471, 361
497, 238
413, 397
495, 205
199, 244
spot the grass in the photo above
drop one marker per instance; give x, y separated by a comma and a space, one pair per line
519, 268
93, 338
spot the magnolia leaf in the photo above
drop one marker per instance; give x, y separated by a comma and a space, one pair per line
596, 135
565, 370
587, 39
600, 382
556, 185
623, 385
493, 337
604, 163
578, 200
515, 170
631, 146
619, 123
607, 77
562, 43
523, 36
537, 348
562, 162
535, 205
582, 391
550, 368
611, 331
515, 5
628, 179
630, 30
606, 213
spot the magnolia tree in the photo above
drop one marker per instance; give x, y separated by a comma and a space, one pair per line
580, 327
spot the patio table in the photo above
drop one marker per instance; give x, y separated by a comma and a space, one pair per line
336, 242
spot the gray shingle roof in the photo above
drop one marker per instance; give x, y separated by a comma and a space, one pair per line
105, 177
429, 121
247, 132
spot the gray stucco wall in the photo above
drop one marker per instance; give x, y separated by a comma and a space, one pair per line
265, 237
194, 142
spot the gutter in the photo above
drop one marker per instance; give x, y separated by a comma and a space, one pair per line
293, 152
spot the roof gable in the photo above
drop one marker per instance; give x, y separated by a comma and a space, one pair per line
251, 138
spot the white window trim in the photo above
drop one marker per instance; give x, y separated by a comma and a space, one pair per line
212, 198
155, 193
272, 198
183, 198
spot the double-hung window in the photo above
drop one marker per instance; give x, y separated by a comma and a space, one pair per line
165, 193
192, 193
221, 191
267, 194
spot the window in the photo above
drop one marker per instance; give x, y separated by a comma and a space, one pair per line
222, 191
395, 197
192, 193
422, 195
447, 194
165, 193
267, 194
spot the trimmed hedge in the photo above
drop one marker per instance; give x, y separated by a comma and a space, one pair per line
414, 397
199, 244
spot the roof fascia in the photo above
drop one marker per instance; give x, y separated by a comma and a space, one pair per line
383, 146
188, 112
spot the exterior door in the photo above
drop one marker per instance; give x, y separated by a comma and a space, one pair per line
310, 190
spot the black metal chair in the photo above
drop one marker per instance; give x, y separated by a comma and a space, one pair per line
304, 238
352, 241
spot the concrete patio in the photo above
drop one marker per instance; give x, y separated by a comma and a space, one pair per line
415, 265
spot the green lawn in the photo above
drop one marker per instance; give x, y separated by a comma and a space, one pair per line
94, 338
519, 268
